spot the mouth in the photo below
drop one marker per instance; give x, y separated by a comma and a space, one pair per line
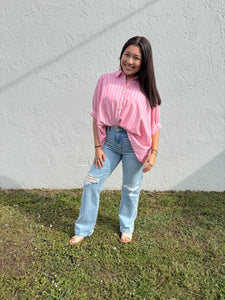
129, 68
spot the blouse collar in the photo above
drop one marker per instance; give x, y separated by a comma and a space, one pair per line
121, 73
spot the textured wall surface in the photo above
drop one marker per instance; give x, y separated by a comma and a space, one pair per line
52, 53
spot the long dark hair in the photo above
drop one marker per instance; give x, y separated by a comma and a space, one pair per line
146, 73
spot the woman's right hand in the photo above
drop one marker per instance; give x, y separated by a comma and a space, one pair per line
99, 157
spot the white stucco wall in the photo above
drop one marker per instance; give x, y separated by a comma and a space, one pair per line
52, 53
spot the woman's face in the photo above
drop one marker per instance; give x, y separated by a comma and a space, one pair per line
131, 61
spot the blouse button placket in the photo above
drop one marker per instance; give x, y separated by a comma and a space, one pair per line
120, 104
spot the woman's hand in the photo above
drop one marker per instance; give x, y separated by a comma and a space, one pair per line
149, 163
99, 157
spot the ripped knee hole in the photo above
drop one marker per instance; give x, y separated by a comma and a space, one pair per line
91, 179
131, 188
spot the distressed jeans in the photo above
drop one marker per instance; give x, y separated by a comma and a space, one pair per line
116, 148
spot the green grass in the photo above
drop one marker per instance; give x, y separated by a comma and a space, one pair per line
177, 251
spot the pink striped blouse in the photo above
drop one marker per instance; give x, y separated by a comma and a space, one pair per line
117, 103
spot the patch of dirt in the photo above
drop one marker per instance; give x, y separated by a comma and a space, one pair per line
16, 253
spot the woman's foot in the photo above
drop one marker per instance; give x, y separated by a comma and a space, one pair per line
76, 239
126, 237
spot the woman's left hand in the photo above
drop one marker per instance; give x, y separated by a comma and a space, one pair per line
149, 163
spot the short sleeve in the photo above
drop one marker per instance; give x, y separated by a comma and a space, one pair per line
96, 98
155, 118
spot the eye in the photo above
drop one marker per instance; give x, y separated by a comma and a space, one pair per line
126, 54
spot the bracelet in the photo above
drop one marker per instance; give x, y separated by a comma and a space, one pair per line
154, 151
97, 146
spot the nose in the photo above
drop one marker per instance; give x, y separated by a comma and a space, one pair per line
130, 60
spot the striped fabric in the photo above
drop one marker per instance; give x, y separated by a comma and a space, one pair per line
117, 103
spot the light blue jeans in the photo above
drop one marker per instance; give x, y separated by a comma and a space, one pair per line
116, 148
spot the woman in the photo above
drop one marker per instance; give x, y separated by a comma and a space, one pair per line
126, 127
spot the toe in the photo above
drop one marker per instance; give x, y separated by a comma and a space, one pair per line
76, 239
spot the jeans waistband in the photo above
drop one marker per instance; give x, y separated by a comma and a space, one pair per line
114, 128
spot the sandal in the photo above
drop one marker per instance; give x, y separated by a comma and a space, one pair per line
126, 237
76, 239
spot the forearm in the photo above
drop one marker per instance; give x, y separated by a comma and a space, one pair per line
155, 140
150, 161
95, 133
99, 153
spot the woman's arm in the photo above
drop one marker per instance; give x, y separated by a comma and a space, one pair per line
150, 161
95, 133
99, 153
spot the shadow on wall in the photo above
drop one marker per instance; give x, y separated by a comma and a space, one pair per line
8, 183
211, 176
72, 49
